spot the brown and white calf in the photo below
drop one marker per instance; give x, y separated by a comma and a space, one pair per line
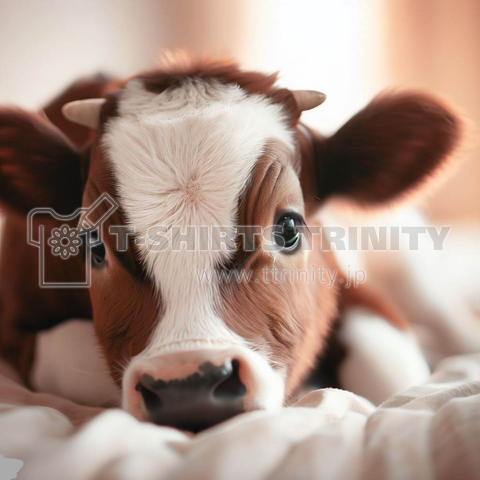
201, 145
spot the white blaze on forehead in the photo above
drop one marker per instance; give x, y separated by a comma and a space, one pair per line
183, 158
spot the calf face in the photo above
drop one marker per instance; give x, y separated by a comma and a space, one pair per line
197, 332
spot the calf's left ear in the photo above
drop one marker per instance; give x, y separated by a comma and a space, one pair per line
39, 167
389, 148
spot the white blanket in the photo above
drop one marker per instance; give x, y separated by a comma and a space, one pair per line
429, 431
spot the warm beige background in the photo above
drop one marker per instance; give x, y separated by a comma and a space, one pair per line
350, 49
435, 45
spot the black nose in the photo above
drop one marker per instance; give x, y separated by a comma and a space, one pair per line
202, 400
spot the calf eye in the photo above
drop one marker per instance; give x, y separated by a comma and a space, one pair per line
98, 255
286, 233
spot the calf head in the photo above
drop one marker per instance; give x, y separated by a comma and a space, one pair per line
196, 332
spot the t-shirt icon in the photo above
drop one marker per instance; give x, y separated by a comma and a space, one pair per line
71, 241
9, 468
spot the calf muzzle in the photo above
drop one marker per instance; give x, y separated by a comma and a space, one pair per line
209, 396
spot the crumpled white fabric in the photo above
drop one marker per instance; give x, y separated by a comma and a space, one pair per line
429, 431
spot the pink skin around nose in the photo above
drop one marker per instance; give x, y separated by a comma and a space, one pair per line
264, 386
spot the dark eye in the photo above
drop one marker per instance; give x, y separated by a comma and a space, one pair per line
286, 233
98, 255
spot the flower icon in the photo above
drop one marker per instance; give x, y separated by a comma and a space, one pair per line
64, 241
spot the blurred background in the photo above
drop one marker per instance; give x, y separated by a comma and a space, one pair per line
349, 49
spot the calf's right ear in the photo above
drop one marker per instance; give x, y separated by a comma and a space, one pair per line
390, 148
39, 167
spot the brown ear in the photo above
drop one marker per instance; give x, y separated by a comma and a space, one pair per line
389, 148
39, 167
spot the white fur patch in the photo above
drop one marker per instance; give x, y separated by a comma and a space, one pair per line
183, 158
381, 360
69, 363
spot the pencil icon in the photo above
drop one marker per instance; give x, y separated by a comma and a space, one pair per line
86, 221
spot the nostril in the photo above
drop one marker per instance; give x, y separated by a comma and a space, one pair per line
146, 388
231, 387
204, 398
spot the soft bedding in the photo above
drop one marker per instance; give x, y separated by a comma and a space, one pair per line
429, 431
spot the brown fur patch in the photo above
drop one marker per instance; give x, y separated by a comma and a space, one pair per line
292, 317
125, 312
125, 304
171, 75
39, 167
